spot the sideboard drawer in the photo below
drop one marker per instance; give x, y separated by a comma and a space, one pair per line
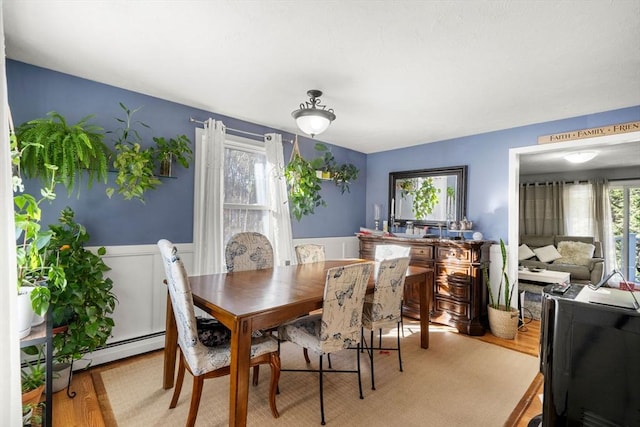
453, 253
453, 307
422, 253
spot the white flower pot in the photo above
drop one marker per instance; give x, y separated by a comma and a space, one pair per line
25, 312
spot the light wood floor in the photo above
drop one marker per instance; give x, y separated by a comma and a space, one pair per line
84, 409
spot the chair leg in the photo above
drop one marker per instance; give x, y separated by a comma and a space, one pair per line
179, 379
306, 355
198, 382
373, 381
274, 362
399, 353
329, 359
256, 374
380, 337
321, 395
359, 378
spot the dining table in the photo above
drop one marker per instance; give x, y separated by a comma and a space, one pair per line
247, 301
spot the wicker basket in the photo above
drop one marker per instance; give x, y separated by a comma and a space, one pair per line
503, 324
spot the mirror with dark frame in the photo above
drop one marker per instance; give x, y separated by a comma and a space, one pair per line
428, 196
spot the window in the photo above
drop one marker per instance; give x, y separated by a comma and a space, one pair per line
578, 209
246, 191
625, 210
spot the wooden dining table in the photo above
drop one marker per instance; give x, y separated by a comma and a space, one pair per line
246, 301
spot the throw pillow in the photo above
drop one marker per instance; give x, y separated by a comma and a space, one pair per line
524, 252
547, 253
576, 253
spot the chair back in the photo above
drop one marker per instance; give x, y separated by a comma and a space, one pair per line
344, 292
183, 309
248, 251
309, 253
391, 251
387, 295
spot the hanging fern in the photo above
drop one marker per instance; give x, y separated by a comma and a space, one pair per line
74, 149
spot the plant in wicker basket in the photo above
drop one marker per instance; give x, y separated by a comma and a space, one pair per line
503, 319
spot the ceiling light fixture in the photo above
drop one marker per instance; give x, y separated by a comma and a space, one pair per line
580, 156
313, 118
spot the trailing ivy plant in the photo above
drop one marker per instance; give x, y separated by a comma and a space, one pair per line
134, 164
73, 149
304, 187
175, 149
424, 193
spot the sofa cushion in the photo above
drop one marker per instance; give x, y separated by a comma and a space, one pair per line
577, 253
524, 252
535, 241
547, 253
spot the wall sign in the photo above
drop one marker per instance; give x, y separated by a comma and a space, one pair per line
590, 133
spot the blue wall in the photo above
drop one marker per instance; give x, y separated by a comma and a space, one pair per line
168, 212
487, 157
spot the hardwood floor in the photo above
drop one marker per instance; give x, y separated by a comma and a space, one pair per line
84, 409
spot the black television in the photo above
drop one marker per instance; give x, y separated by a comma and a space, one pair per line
590, 359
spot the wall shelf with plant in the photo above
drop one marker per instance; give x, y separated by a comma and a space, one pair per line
305, 176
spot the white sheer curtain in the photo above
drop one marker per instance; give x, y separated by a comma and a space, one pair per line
280, 220
208, 200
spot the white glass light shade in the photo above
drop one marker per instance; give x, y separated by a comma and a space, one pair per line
580, 157
313, 121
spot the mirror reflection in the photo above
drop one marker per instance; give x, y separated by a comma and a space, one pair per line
428, 196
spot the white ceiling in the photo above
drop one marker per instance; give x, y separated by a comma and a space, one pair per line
397, 73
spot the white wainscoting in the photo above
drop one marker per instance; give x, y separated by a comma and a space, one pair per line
137, 275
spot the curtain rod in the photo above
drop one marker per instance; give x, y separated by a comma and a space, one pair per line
192, 120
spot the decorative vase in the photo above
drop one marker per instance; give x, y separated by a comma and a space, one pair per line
165, 165
503, 323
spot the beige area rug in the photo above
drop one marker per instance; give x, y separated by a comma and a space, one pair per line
458, 381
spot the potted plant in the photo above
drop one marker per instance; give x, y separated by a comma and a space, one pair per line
74, 149
304, 185
34, 269
503, 319
33, 377
174, 150
328, 168
134, 164
86, 303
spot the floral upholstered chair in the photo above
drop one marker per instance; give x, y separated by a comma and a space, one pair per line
339, 326
202, 361
248, 251
391, 251
309, 253
383, 308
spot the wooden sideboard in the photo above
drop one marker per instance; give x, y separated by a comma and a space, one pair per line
455, 273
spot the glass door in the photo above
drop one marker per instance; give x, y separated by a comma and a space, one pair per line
625, 211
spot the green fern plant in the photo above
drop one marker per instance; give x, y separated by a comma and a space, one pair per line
74, 149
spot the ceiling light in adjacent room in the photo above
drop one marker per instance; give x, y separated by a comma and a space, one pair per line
580, 156
313, 118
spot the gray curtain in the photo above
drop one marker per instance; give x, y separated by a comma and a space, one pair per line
541, 208
603, 224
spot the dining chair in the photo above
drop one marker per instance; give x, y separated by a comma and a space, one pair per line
383, 308
201, 361
391, 251
248, 251
309, 252
339, 325
387, 252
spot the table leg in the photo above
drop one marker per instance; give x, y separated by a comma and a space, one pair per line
239, 384
425, 296
170, 346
